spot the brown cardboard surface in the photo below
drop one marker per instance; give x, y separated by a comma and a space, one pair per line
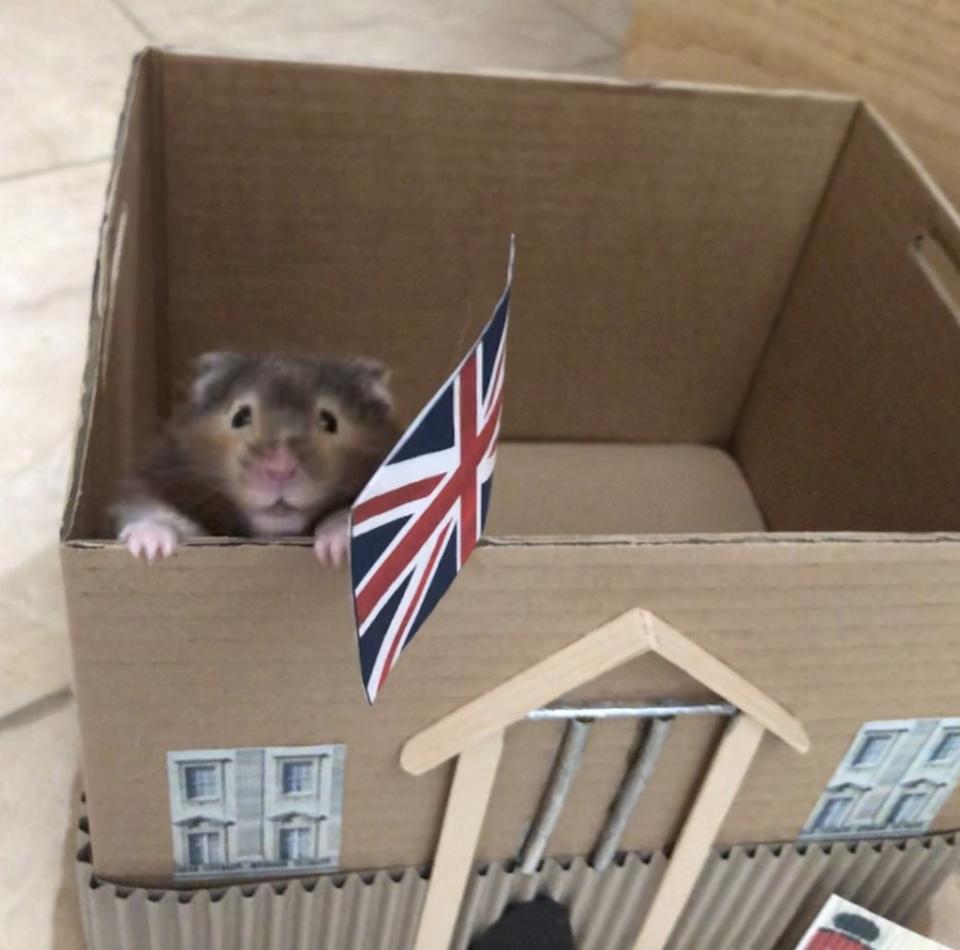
120, 400
662, 233
252, 645
853, 421
352, 210
757, 898
648, 489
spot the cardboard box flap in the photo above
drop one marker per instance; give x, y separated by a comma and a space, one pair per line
838, 632
852, 423
119, 406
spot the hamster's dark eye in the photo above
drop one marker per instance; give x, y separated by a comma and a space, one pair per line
327, 421
242, 417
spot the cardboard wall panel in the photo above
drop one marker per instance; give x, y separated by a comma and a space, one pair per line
351, 210
252, 645
550, 488
853, 421
126, 345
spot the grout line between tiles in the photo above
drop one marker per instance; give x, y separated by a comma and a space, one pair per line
119, 6
51, 169
587, 64
615, 41
36, 709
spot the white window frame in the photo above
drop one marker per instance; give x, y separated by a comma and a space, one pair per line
818, 827
889, 739
205, 829
944, 737
920, 800
298, 826
312, 762
185, 788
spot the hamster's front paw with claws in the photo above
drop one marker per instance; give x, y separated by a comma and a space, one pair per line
332, 539
149, 539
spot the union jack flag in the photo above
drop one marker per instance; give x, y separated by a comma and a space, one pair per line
420, 516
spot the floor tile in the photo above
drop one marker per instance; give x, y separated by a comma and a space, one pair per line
47, 251
427, 33
610, 18
35, 828
63, 69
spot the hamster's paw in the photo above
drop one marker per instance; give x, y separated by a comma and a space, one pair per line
332, 539
149, 539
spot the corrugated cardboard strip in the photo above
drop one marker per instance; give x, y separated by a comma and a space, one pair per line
748, 897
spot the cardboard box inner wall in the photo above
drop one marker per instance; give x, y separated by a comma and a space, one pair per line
719, 295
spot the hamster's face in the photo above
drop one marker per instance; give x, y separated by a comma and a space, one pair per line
292, 437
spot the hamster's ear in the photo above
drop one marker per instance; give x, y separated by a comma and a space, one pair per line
212, 375
375, 378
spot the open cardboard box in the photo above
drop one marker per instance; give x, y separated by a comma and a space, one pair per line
733, 399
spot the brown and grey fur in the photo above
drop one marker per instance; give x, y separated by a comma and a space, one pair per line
197, 478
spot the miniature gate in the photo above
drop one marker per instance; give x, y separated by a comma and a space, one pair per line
474, 735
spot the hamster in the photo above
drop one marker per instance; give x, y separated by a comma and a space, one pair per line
265, 446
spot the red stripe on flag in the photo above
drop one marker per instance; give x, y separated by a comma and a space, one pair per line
395, 497
414, 603
421, 528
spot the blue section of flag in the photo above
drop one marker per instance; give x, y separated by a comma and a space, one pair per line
372, 640
367, 548
444, 575
492, 338
433, 434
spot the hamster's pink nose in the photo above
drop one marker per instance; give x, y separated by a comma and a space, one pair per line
279, 465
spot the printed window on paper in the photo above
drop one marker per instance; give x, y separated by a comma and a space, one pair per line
834, 813
295, 844
907, 808
872, 750
201, 783
947, 749
204, 848
298, 777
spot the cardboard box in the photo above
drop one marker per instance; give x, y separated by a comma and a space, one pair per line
733, 385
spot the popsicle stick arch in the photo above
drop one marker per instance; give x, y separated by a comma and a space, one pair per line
474, 735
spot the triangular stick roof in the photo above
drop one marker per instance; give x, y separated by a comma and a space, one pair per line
631, 635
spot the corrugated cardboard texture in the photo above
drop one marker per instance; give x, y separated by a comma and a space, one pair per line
758, 898
229, 646
648, 489
314, 208
853, 422
120, 400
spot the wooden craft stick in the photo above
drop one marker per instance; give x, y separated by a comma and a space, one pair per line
721, 679
467, 803
598, 652
724, 778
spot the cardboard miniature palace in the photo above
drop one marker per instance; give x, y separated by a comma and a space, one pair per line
654, 607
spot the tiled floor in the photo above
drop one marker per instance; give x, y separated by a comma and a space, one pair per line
63, 65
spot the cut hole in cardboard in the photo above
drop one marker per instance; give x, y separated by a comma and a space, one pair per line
940, 267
